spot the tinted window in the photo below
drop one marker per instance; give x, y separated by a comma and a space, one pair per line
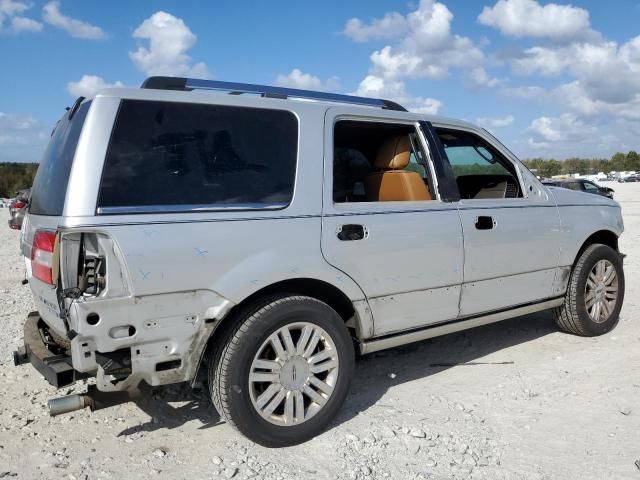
590, 187
573, 185
50, 185
165, 153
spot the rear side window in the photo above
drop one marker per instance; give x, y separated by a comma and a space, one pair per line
167, 154
50, 185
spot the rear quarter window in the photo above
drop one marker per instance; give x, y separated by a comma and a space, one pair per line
167, 154
50, 184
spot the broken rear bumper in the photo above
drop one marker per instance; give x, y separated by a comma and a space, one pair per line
47, 357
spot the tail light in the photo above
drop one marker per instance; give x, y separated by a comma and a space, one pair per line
18, 204
42, 255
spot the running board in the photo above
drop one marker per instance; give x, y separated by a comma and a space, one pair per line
402, 338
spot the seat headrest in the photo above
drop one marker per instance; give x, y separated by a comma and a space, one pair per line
394, 154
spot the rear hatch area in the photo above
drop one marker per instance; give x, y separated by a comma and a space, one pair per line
47, 208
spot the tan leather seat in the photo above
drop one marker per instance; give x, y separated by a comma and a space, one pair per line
390, 182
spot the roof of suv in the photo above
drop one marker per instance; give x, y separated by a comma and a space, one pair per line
180, 84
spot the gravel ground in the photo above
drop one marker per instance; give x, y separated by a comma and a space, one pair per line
530, 403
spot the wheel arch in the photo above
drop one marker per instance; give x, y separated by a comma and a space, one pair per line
355, 314
605, 237
310, 287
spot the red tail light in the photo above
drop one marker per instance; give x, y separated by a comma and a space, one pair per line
18, 204
42, 255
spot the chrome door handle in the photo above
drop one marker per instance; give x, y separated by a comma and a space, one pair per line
351, 232
485, 223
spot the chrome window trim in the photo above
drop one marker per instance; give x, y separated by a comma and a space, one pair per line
430, 162
234, 207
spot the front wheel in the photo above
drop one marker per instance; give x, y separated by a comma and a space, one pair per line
595, 293
284, 372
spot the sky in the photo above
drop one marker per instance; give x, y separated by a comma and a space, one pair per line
550, 79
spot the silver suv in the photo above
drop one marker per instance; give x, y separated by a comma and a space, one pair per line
260, 239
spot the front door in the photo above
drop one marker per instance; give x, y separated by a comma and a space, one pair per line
383, 223
511, 234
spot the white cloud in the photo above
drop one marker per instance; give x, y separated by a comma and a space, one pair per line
597, 91
529, 92
22, 137
565, 128
24, 24
527, 18
169, 41
499, 122
426, 48
13, 7
52, 15
479, 78
605, 75
89, 85
379, 87
12, 19
568, 135
298, 79
392, 25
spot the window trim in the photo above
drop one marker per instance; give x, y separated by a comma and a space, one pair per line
198, 208
432, 179
230, 207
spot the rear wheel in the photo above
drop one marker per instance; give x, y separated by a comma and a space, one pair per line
284, 372
595, 293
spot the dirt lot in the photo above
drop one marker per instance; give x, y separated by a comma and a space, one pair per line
562, 407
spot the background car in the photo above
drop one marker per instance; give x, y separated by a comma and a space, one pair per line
581, 185
632, 178
18, 208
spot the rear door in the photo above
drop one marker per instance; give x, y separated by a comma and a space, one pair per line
405, 255
511, 233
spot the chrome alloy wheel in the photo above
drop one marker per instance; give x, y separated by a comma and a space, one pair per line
601, 291
293, 374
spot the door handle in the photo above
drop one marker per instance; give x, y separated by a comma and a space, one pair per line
485, 223
350, 232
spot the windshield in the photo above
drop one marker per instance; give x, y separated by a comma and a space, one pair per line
50, 185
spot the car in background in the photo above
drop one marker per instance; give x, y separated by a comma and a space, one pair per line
630, 178
18, 209
582, 185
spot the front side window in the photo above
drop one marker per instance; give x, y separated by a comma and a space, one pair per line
378, 162
168, 153
481, 171
590, 187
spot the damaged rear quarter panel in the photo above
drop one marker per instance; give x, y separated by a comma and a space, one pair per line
182, 278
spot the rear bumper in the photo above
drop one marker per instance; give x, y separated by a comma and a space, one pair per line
47, 357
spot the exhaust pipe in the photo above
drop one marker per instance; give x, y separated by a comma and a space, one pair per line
70, 403
94, 399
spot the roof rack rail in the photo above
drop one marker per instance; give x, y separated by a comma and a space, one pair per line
188, 84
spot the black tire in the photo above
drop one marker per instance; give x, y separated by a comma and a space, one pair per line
572, 316
229, 369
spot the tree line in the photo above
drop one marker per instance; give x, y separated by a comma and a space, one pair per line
618, 162
16, 176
